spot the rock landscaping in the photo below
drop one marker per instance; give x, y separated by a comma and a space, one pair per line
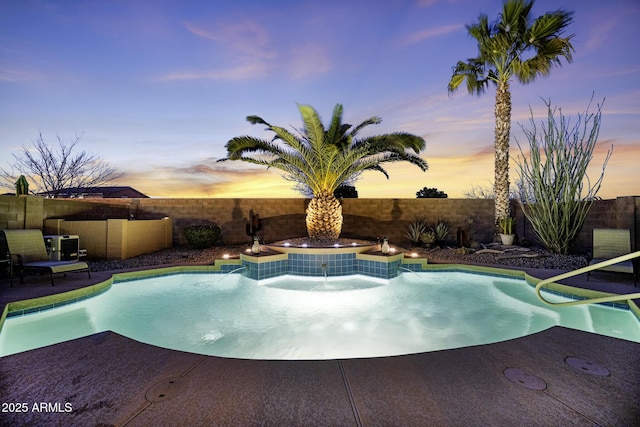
490, 254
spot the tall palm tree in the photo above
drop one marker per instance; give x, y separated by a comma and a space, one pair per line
320, 159
513, 46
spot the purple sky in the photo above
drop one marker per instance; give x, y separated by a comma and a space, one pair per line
157, 88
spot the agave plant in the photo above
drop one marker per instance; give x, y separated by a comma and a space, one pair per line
320, 159
416, 229
440, 230
428, 237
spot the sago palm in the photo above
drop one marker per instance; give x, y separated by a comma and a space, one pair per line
320, 159
513, 46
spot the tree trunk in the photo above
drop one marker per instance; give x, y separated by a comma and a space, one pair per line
501, 145
324, 217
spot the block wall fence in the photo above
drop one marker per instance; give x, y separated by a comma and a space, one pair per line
285, 218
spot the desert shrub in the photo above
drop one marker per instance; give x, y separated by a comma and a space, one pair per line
203, 236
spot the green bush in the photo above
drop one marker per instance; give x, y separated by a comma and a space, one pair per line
203, 236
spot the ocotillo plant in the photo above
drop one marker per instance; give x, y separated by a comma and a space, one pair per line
254, 225
558, 193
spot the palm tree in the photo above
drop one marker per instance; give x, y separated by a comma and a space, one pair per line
515, 45
319, 160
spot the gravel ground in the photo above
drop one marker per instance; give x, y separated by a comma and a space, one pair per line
491, 254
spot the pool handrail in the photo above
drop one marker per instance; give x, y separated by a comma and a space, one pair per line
598, 300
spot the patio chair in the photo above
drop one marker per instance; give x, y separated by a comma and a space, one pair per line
27, 251
610, 243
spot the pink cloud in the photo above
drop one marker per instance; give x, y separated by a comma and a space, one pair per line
429, 33
248, 49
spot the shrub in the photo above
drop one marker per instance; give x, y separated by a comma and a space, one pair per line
431, 193
203, 236
346, 192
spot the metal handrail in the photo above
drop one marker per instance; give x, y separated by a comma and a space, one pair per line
598, 300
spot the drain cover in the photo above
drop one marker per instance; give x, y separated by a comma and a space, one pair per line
523, 379
165, 389
587, 367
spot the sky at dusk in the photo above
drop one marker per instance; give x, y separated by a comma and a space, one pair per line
157, 88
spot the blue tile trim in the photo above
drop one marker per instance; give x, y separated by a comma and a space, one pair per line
418, 268
312, 265
321, 264
54, 305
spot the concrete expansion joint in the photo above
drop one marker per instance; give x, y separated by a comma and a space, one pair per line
566, 404
533, 382
165, 389
134, 415
352, 401
195, 365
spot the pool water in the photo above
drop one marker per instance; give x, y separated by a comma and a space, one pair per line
293, 317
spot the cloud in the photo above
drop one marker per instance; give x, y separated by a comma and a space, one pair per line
250, 54
240, 72
246, 37
429, 33
208, 178
17, 75
429, 3
309, 59
601, 34
245, 46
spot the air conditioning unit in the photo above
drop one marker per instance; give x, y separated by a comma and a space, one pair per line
63, 248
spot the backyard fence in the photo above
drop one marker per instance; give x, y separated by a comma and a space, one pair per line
285, 218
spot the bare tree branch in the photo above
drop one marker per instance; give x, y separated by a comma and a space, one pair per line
52, 170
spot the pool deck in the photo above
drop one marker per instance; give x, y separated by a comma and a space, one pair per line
108, 379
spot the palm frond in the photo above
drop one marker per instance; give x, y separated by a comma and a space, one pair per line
321, 160
237, 147
336, 129
370, 121
514, 45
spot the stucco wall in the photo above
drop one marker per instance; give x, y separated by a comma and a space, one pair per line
115, 238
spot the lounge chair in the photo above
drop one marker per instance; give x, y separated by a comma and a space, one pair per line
609, 243
27, 251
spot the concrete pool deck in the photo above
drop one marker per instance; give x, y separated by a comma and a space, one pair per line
108, 379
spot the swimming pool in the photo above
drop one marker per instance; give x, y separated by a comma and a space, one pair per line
294, 317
